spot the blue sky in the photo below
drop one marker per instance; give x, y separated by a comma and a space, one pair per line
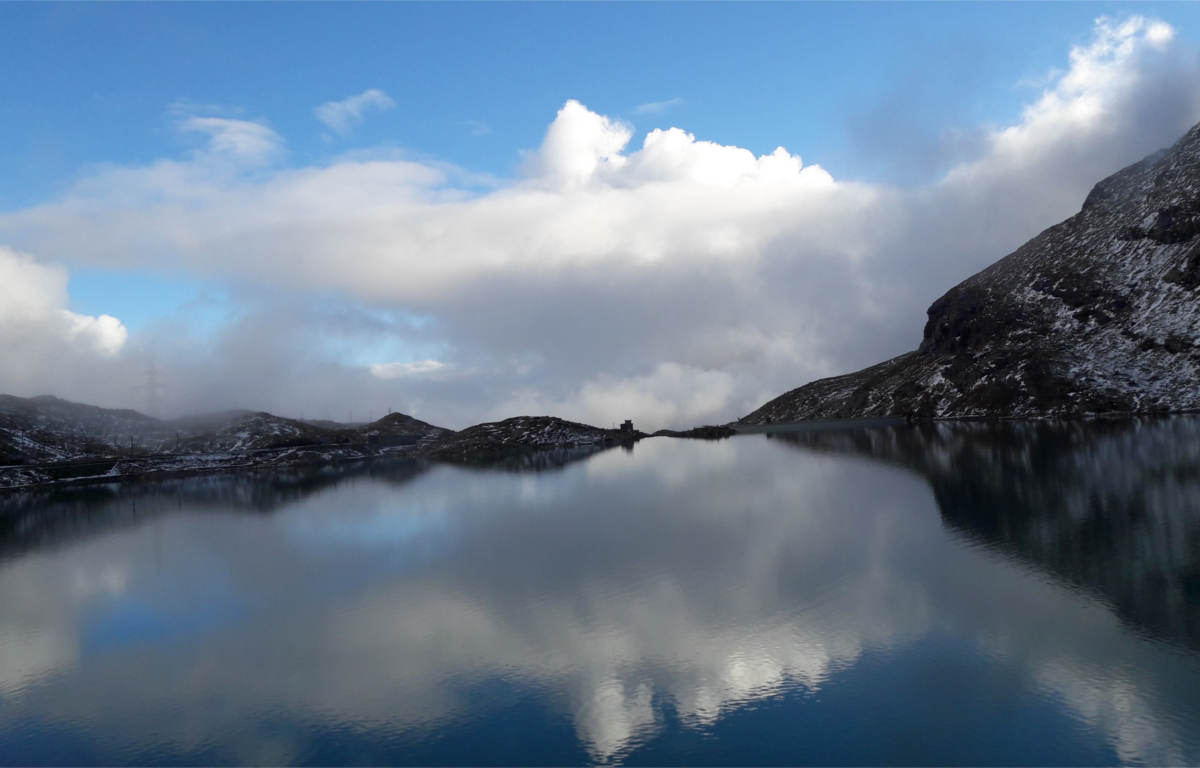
95, 83
889, 96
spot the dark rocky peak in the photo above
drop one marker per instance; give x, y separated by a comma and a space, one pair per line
1159, 179
1125, 186
402, 423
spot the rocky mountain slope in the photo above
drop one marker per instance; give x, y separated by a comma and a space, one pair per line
399, 427
48, 429
1100, 313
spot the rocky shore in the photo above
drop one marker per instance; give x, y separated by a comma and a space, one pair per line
484, 443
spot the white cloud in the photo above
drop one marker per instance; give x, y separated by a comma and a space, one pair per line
657, 107
42, 339
417, 368
676, 282
1083, 102
105, 333
341, 117
237, 139
579, 146
1159, 34
33, 300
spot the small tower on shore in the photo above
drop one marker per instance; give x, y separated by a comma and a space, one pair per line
627, 427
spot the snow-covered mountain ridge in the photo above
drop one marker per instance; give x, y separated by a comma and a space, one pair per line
1100, 313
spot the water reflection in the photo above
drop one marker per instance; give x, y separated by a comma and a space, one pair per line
52, 517
1111, 506
727, 602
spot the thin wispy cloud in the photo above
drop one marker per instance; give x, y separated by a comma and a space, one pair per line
1040, 81
239, 139
407, 370
184, 108
657, 107
477, 127
343, 116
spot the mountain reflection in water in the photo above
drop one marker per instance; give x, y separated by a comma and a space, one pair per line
738, 601
1110, 506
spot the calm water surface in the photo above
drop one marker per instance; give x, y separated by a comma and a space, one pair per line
914, 594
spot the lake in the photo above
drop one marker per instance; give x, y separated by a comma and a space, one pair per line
1024, 593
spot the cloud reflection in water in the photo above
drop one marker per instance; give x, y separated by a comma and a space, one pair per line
641, 595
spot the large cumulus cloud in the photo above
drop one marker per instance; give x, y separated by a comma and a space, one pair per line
675, 281
42, 338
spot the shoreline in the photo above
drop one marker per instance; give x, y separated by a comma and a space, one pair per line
163, 466
99, 470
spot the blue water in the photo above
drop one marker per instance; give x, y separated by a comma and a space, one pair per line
930, 594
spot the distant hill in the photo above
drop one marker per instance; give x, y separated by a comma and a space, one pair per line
45, 429
503, 439
44, 440
1100, 313
400, 425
